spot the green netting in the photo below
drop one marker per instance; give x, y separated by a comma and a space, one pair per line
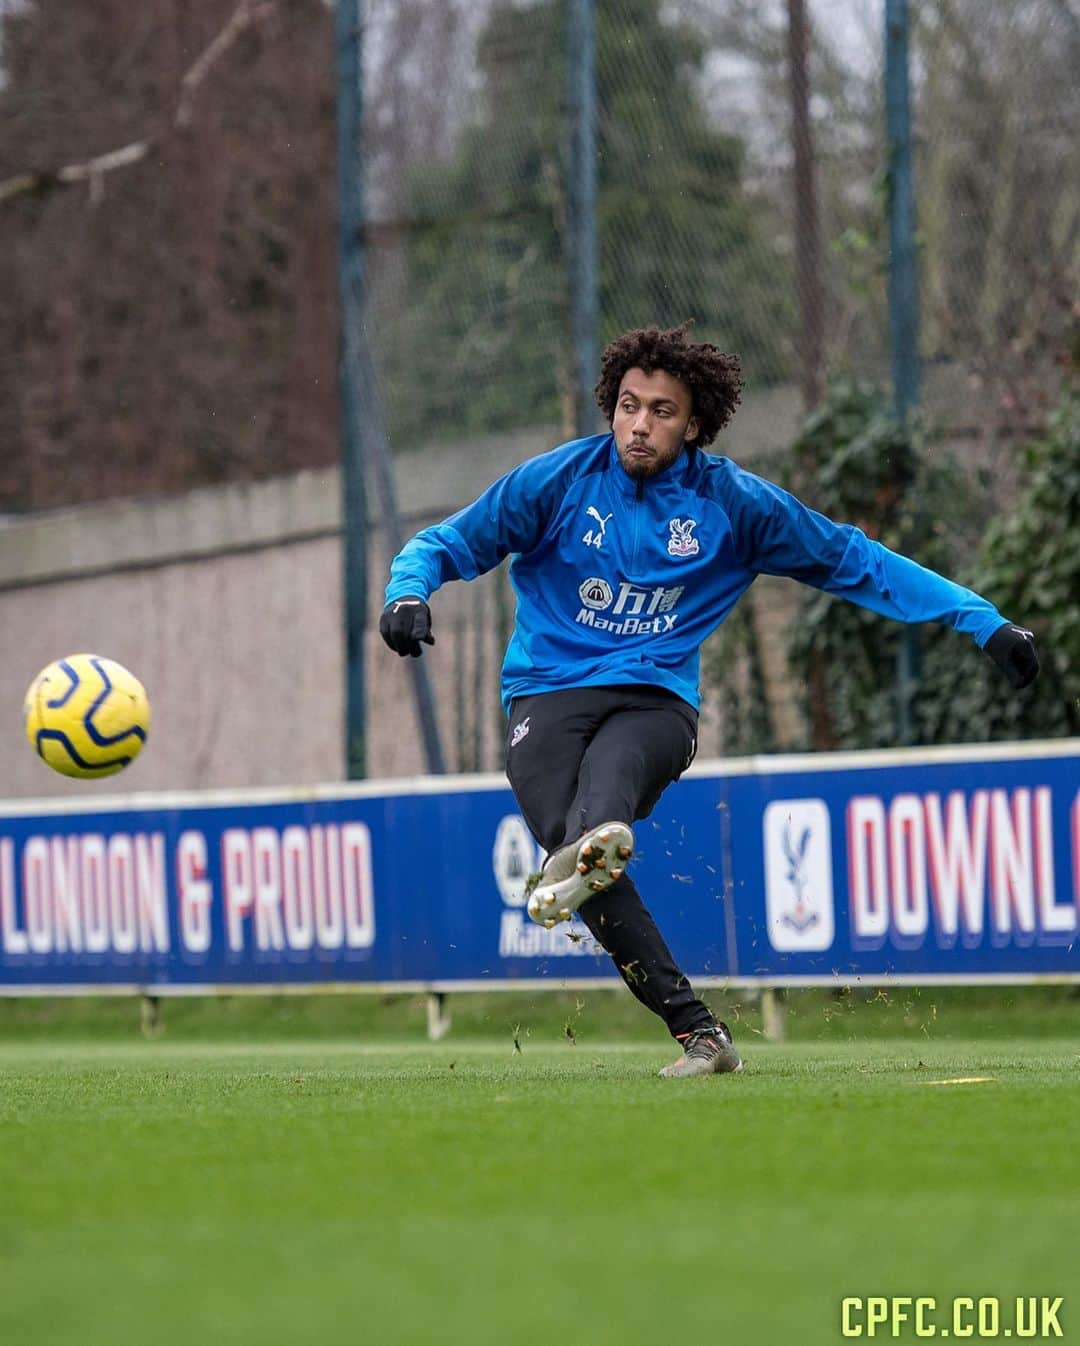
173, 321
696, 220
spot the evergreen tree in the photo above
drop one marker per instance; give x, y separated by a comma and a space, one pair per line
680, 234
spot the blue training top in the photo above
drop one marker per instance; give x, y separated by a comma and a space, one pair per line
620, 581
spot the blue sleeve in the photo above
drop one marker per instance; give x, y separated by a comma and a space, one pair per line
776, 534
511, 516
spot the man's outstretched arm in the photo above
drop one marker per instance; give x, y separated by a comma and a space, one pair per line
779, 535
896, 586
511, 516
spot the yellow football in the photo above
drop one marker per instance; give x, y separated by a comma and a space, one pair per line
87, 716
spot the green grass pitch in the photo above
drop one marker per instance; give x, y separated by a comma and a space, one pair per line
279, 1192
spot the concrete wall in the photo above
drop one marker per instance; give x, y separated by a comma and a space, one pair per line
227, 603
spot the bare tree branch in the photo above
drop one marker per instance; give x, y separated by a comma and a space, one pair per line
246, 14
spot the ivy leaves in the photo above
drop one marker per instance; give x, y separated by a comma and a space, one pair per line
854, 462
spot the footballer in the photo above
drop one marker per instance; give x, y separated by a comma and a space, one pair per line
628, 549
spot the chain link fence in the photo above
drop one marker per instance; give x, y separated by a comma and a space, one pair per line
696, 219
172, 314
696, 216
172, 317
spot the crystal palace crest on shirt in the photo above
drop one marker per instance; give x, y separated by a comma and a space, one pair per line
682, 541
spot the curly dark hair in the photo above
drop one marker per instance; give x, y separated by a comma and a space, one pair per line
713, 378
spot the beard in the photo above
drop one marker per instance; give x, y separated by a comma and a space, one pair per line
642, 467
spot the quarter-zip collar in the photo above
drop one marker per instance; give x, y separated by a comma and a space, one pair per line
639, 487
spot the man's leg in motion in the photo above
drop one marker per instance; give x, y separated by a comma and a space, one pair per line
620, 922
547, 735
586, 756
634, 755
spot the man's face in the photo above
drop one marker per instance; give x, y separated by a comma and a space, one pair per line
652, 421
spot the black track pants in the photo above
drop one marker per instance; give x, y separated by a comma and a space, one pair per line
591, 755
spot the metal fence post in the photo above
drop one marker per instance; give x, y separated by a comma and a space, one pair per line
903, 290
349, 35
903, 264
581, 211
363, 422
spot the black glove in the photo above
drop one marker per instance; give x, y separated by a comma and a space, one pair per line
405, 624
1013, 650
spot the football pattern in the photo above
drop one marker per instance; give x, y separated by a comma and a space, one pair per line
87, 716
